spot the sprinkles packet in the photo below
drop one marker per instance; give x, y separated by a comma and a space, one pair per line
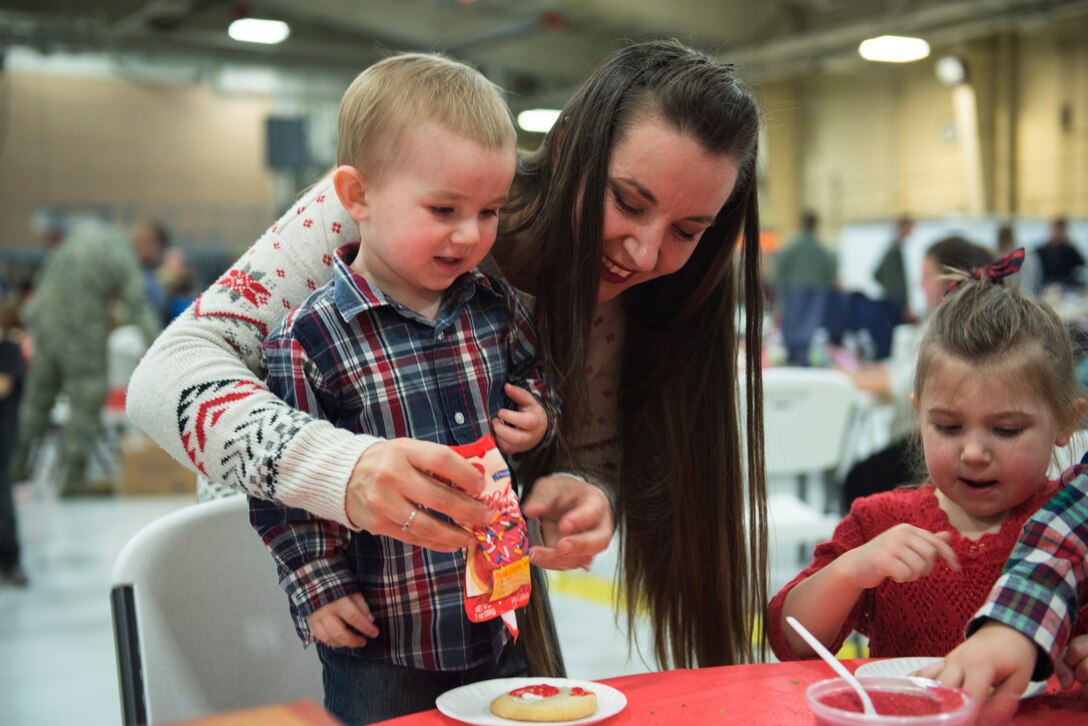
497, 571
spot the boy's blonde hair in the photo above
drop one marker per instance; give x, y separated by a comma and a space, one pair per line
412, 88
997, 327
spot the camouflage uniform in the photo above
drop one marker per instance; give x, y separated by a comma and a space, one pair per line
69, 318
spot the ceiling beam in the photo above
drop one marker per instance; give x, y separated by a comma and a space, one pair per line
944, 23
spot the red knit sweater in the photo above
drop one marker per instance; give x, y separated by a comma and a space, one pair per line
926, 617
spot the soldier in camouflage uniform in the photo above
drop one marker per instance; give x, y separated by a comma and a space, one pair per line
69, 318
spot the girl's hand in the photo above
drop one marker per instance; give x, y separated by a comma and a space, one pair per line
393, 479
904, 553
521, 430
575, 522
343, 623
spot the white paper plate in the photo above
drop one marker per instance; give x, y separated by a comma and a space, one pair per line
895, 667
471, 703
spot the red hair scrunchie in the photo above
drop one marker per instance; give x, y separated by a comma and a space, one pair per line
1000, 268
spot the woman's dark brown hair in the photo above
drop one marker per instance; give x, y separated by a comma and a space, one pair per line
691, 501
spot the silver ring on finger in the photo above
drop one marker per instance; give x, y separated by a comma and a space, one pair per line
408, 522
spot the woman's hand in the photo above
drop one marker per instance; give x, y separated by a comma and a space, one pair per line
575, 522
904, 553
393, 480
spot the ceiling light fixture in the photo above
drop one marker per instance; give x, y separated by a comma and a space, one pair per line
539, 120
893, 49
951, 71
258, 30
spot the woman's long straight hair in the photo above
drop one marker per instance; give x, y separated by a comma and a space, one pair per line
691, 499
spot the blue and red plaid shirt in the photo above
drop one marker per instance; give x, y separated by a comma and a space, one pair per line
352, 356
1045, 582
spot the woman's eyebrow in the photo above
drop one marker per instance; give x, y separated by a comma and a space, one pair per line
649, 196
640, 189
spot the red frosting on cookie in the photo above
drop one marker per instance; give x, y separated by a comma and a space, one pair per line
543, 690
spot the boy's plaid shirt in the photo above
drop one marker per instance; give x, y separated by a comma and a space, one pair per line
351, 356
1045, 582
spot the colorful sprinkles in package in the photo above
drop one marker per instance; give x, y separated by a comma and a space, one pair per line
497, 573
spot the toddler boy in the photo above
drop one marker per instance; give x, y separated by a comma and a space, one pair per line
409, 339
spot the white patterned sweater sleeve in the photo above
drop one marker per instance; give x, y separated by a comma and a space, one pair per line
199, 393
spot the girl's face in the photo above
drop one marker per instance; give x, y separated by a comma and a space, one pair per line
987, 442
663, 191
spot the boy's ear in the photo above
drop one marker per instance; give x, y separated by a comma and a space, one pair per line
914, 403
350, 185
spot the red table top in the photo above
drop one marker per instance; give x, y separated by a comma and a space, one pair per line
766, 693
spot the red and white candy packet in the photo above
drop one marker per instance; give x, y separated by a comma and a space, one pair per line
497, 572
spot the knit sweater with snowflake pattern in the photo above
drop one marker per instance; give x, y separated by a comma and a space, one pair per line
198, 390
926, 617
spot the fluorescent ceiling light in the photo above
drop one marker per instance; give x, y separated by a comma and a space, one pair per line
893, 49
257, 30
538, 119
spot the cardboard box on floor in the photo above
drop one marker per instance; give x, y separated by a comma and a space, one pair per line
148, 470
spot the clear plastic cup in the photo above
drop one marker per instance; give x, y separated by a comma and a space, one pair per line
898, 702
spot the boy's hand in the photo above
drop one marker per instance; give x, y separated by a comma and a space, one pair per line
904, 553
343, 623
1074, 666
996, 655
521, 430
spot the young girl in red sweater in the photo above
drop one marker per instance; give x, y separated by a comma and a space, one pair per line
995, 391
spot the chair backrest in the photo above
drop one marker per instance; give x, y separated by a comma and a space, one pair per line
200, 623
807, 415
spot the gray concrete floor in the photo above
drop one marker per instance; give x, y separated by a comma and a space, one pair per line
57, 662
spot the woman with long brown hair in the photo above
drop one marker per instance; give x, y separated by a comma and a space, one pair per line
635, 226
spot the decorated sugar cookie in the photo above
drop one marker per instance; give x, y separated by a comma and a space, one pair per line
544, 703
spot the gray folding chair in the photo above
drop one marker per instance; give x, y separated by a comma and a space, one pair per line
200, 623
808, 415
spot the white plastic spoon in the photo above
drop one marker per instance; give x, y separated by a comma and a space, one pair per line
831, 660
